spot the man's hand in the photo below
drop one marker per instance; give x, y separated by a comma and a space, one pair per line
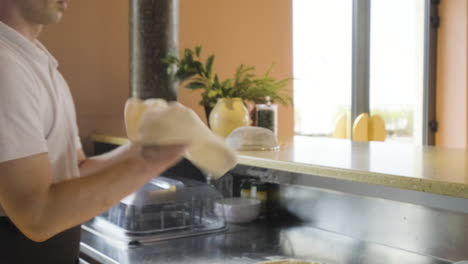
81, 157
163, 155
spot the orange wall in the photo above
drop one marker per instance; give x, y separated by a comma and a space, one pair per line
452, 82
91, 45
254, 33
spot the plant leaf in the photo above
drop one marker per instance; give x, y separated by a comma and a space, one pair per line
195, 85
199, 68
209, 66
188, 56
198, 50
170, 60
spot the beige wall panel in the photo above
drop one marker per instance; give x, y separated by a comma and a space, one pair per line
452, 111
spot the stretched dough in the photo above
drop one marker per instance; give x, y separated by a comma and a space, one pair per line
156, 122
287, 261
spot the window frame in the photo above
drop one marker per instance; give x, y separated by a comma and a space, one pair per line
361, 65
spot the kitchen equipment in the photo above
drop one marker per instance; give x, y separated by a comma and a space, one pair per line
164, 208
252, 138
238, 210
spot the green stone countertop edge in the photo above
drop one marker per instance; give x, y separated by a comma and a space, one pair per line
453, 189
459, 190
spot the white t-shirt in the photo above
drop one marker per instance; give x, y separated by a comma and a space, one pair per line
37, 114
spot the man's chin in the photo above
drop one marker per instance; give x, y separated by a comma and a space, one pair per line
59, 17
55, 18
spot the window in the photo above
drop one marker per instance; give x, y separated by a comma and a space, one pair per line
393, 47
322, 41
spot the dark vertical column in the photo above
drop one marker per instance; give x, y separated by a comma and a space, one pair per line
430, 124
154, 33
361, 57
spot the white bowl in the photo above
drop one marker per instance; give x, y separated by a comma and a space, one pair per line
238, 210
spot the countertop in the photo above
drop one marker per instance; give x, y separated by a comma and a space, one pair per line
252, 243
405, 166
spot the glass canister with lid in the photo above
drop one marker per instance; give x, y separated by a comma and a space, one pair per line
267, 115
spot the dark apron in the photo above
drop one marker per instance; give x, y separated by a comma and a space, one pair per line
15, 248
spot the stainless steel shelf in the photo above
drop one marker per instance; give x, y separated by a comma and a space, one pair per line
259, 241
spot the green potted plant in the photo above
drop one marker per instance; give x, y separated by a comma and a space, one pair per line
244, 84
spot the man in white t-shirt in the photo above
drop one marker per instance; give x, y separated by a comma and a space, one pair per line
47, 186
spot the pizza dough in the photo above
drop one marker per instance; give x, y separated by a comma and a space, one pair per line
287, 261
156, 122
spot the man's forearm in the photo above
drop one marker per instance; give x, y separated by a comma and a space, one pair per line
73, 202
69, 203
99, 163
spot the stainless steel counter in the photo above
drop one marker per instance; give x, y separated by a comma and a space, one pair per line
251, 243
363, 203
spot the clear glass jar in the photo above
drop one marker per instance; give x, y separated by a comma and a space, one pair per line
267, 116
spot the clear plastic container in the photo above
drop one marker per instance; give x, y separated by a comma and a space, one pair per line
162, 209
252, 138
